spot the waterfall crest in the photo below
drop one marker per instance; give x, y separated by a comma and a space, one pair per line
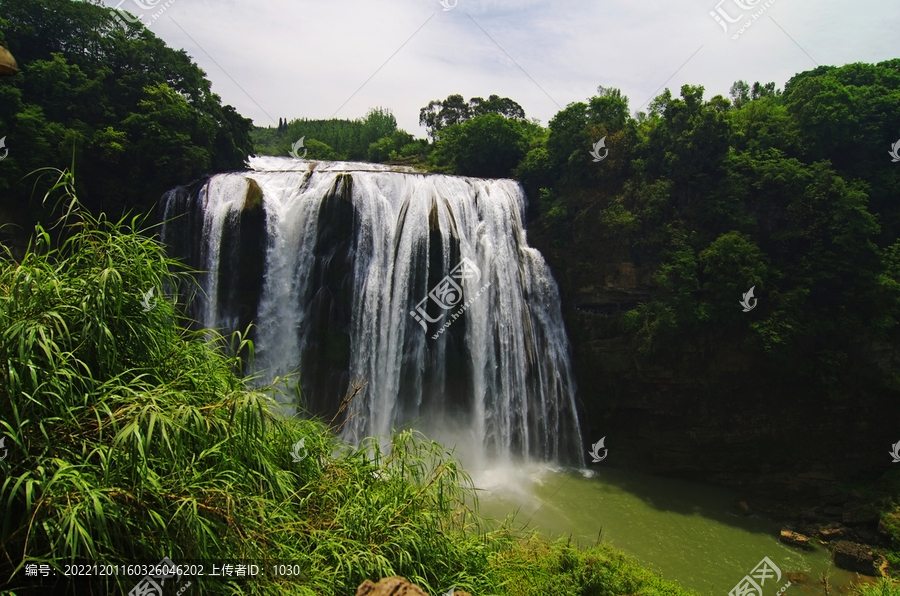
422, 285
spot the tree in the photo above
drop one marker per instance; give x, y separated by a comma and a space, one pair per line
740, 93
389, 147
609, 107
438, 115
731, 265
488, 146
139, 116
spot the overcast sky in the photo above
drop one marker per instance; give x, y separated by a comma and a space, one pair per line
339, 58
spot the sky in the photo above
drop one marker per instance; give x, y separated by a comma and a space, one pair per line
340, 58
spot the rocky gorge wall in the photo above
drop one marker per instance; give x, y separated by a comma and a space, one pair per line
710, 407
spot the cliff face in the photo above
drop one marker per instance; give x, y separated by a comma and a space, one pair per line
712, 408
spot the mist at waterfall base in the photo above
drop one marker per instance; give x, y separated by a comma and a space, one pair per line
352, 271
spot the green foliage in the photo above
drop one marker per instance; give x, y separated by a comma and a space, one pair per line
650, 324
373, 137
131, 438
535, 171
488, 146
791, 192
884, 587
731, 265
539, 567
141, 116
569, 137
319, 150
389, 147
438, 115
741, 93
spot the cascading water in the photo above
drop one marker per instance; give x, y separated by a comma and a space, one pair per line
422, 285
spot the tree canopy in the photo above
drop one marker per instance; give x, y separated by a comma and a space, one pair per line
789, 191
137, 116
439, 114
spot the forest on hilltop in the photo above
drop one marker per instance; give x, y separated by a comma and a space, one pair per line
135, 116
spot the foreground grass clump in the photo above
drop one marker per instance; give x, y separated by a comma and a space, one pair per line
884, 587
536, 566
132, 438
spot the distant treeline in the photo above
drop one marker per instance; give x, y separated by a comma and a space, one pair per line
373, 138
376, 137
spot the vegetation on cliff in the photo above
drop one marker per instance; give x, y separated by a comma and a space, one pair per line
131, 439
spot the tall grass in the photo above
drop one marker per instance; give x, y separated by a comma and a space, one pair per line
884, 587
131, 438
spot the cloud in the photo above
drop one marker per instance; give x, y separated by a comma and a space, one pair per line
290, 58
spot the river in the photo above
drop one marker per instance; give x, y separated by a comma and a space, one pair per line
686, 531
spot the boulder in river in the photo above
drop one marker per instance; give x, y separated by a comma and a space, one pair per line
857, 557
794, 538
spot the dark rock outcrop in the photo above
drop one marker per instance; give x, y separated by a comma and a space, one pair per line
857, 557
710, 405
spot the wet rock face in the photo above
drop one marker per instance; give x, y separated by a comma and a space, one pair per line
857, 557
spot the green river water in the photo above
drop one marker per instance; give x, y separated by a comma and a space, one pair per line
686, 531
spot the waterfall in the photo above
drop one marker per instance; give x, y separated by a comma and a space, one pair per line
421, 285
